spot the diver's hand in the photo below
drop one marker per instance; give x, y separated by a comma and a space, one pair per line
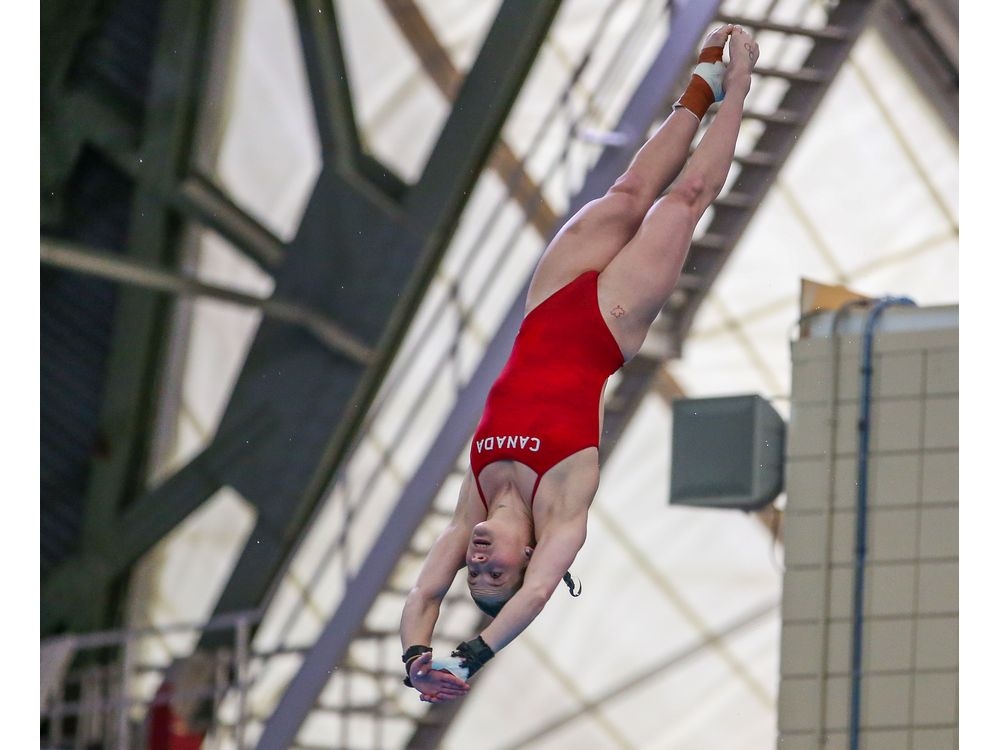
435, 685
437, 698
467, 658
452, 664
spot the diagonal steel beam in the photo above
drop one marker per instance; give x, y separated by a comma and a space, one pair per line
202, 201
431, 208
330, 647
331, 90
285, 492
82, 117
438, 65
482, 104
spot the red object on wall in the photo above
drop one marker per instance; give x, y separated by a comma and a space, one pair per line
167, 730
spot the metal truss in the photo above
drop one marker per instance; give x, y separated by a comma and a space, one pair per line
404, 230
96, 104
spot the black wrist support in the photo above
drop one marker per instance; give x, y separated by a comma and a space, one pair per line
474, 654
409, 655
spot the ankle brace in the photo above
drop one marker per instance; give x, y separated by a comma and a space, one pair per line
705, 87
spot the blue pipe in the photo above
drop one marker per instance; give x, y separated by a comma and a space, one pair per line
861, 520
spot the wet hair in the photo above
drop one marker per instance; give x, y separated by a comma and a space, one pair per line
493, 607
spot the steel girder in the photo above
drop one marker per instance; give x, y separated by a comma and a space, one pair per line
81, 593
923, 34
360, 225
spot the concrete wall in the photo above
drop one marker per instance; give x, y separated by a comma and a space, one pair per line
910, 657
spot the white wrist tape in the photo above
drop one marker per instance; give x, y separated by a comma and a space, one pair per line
713, 74
451, 664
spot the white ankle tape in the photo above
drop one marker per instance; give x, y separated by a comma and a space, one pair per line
712, 73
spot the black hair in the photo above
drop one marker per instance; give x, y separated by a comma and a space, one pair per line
568, 580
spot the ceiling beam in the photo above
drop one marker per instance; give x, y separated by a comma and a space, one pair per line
432, 208
140, 273
923, 35
329, 82
439, 67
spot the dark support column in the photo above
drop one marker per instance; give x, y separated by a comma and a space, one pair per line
140, 317
63, 25
73, 585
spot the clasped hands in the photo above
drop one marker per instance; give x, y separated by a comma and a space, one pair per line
435, 683
444, 679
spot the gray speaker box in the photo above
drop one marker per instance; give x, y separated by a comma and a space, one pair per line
727, 452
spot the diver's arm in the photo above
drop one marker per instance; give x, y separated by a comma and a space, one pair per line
552, 557
445, 559
423, 603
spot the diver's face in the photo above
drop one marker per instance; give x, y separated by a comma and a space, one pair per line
496, 559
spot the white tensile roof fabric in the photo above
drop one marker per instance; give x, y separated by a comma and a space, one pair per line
674, 643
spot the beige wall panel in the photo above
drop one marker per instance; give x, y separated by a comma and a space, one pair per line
938, 532
935, 698
942, 372
798, 704
898, 374
935, 739
892, 534
894, 480
941, 422
940, 477
910, 630
937, 643
896, 425
938, 592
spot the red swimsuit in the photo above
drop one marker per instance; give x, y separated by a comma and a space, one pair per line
545, 404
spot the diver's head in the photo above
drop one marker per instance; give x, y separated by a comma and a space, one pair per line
496, 558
